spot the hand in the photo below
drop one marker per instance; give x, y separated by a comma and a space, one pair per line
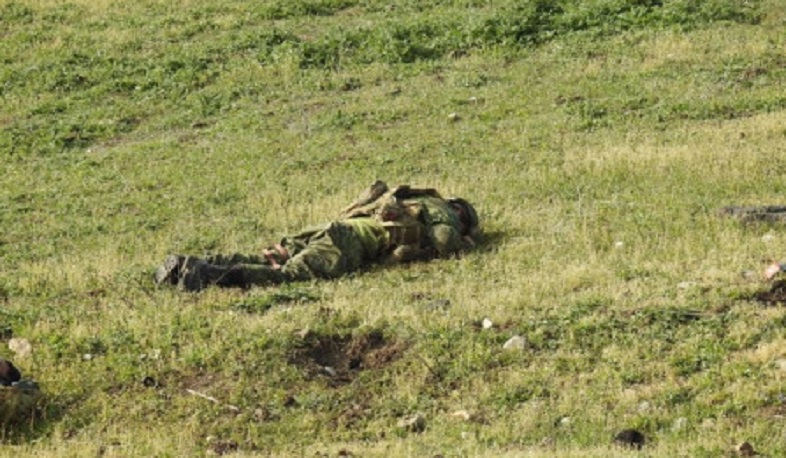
772, 270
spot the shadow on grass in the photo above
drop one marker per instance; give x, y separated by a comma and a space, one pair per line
488, 241
39, 423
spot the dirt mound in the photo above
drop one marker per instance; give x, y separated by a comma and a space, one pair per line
340, 358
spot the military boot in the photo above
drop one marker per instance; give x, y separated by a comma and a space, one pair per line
169, 271
197, 274
192, 274
766, 213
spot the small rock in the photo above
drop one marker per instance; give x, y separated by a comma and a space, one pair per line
630, 438
487, 324
619, 244
462, 414
414, 423
565, 421
329, 371
454, 117
87, 357
515, 343
746, 449
20, 347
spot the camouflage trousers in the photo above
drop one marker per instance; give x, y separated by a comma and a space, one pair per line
320, 252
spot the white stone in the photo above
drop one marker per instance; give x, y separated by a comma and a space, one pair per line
515, 343
329, 371
20, 347
487, 324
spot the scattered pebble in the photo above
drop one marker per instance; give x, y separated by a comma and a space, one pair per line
414, 423
515, 343
454, 117
630, 438
329, 371
20, 347
619, 244
487, 324
565, 421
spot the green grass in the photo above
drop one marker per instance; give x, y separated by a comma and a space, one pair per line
597, 139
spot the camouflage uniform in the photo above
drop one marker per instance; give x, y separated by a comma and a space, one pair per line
423, 225
326, 251
382, 226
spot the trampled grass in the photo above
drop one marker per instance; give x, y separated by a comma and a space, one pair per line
597, 138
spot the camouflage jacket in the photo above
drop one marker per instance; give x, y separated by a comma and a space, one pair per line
420, 222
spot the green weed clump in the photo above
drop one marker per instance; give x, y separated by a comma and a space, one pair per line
597, 138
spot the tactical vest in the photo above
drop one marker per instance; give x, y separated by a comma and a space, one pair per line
401, 218
402, 223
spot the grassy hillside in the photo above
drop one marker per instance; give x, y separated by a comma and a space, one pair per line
597, 138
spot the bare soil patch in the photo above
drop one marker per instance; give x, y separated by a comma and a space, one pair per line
340, 358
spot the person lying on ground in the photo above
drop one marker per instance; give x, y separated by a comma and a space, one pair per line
383, 226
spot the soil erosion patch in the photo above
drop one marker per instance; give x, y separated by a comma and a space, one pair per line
341, 358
